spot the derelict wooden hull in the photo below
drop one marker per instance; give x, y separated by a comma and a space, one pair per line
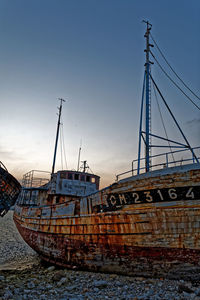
9, 190
149, 218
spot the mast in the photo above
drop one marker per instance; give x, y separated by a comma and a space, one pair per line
145, 135
148, 102
57, 134
79, 155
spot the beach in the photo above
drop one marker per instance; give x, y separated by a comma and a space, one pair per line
14, 252
24, 276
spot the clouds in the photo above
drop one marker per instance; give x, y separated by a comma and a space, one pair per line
6, 154
194, 122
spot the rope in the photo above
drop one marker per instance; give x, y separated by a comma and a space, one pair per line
188, 145
61, 149
63, 141
174, 82
162, 120
173, 69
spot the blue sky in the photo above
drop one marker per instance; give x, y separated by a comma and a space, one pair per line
91, 53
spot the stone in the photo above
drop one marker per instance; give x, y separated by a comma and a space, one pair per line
197, 292
193, 296
113, 276
27, 291
100, 284
8, 295
62, 281
51, 268
48, 286
184, 288
58, 275
139, 278
119, 283
70, 288
31, 285
67, 295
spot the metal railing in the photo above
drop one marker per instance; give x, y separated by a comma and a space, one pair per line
35, 178
167, 162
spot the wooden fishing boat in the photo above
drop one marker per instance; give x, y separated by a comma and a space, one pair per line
9, 190
147, 217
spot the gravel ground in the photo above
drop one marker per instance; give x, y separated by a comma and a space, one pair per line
14, 252
23, 276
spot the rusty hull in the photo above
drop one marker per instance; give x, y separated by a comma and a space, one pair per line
86, 234
9, 190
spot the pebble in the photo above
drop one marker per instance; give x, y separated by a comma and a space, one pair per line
100, 284
58, 275
184, 288
51, 268
62, 281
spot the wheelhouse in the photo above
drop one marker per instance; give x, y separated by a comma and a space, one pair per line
74, 183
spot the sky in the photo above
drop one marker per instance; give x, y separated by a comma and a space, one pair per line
90, 53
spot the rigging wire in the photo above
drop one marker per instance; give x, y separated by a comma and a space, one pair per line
61, 148
63, 142
173, 69
174, 82
90, 170
187, 143
162, 120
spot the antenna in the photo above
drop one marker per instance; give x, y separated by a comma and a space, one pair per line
79, 155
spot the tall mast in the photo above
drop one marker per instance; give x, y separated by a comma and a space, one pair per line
57, 134
145, 135
148, 103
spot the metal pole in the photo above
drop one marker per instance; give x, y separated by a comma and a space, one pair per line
57, 134
140, 133
147, 70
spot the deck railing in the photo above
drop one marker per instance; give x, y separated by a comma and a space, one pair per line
164, 160
35, 178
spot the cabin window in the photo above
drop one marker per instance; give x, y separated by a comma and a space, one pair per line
70, 176
93, 180
88, 178
76, 176
82, 178
62, 175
